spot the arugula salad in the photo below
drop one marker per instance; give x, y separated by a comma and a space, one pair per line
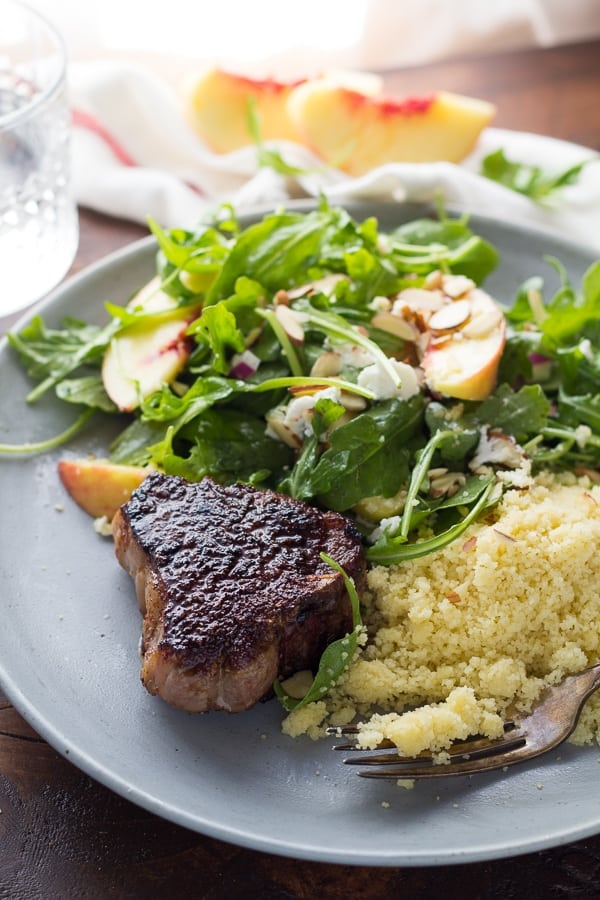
321, 357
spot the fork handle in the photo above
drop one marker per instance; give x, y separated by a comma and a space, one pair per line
585, 683
549, 716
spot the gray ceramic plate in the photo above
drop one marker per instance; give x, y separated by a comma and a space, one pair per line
68, 662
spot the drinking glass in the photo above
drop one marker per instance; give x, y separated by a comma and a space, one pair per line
38, 216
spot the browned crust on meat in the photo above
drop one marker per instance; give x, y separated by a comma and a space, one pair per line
232, 587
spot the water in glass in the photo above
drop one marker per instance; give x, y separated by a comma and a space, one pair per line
38, 220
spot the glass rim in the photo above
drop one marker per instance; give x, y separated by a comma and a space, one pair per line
20, 115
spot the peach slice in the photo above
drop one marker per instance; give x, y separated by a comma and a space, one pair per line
144, 356
358, 132
218, 109
217, 105
462, 361
99, 487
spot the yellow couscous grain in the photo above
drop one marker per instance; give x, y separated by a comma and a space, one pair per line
457, 637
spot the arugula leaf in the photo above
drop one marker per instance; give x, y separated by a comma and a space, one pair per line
517, 413
523, 310
132, 446
166, 406
527, 179
515, 363
267, 157
49, 443
298, 483
88, 391
286, 344
446, 243
462, 436
569, 313
393, 550
367, 455
579, 368
226, 444
566, 446
217, 328
200, 252
274, 250
520, 413
51, 354
579, 409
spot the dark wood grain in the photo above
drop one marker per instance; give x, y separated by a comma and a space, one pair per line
552, 91
64, 836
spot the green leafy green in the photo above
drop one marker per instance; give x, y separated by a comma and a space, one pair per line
49, 354
531, 180
44, 446
394, 549
87, 391
226, 444
267, 156
366, 456
345, 442
217, 328
298, 482
443, 243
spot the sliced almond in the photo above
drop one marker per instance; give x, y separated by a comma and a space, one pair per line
352, 402
278, 429
393, 324
418, 299
323, 285
306, 390
450, 316
380, 304
290, 323
433, 280
327, 364
303, 290
456, 285
440, 340
484, 319
447, 484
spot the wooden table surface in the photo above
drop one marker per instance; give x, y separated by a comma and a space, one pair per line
64, 836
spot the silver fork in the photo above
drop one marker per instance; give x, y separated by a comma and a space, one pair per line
549, 724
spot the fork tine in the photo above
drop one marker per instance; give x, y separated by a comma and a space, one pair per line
545, 728
484, 750
466, 767
471, 746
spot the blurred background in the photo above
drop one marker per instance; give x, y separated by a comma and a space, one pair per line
285, 39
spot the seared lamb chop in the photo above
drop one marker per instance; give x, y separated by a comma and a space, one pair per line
232, 587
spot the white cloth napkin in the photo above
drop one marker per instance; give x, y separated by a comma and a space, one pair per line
134, 155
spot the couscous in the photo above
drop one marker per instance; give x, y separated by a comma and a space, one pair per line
461, 635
